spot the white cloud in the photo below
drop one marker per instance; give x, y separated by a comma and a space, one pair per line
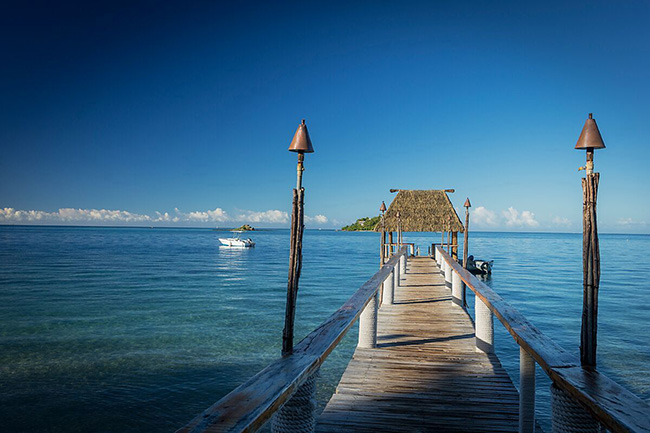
483, 217
71, 215
318, 219
630, 222
269, 216
561, 221
217, 215
513, 218
166, 217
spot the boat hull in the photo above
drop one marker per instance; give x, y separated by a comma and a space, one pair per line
237, 243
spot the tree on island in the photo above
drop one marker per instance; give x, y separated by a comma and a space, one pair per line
363, 224
245, 228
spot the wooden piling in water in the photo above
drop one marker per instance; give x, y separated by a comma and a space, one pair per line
295, 266
591, 271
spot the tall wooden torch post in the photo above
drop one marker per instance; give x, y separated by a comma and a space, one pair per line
382, 254
301, 144
467, 205
568, 413
590, 139
399, 231
449, 235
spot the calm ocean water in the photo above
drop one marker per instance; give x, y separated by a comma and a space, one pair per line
124, 329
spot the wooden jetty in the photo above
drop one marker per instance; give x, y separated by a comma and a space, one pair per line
425, 373
422, 364
450, 387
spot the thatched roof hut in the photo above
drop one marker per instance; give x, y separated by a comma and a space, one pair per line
422, 211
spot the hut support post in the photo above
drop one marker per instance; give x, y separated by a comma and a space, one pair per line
389, 292
382, 257
297, 414
368, 324
591, 270
457, 289
466, 238
454, 243
526, 392
484, 327
390, 244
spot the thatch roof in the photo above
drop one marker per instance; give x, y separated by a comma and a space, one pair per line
422, 211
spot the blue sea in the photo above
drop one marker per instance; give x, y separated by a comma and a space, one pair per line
138, 329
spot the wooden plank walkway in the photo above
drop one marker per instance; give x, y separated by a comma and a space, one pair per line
425, 375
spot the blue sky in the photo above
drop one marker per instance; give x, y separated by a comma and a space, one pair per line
171, 114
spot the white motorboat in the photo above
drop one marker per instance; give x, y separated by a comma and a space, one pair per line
237, 242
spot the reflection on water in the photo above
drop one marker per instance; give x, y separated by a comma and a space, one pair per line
141, 329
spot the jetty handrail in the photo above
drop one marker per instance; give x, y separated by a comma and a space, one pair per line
253, 403
608, 402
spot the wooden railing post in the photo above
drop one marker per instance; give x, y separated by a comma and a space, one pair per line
297, 414
526, 392
389, 292
402, 264
368, 324
457, 289
568, 416
484, 327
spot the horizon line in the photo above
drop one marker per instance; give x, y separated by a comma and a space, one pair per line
287, 228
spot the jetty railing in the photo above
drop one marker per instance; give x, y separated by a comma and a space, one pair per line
286, 387
392, 248
581, 398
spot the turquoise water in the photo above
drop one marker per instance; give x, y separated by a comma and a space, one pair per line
124, 329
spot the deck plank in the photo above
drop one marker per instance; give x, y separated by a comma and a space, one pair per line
425, 375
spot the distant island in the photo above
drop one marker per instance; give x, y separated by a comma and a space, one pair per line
363, 225
245, 228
